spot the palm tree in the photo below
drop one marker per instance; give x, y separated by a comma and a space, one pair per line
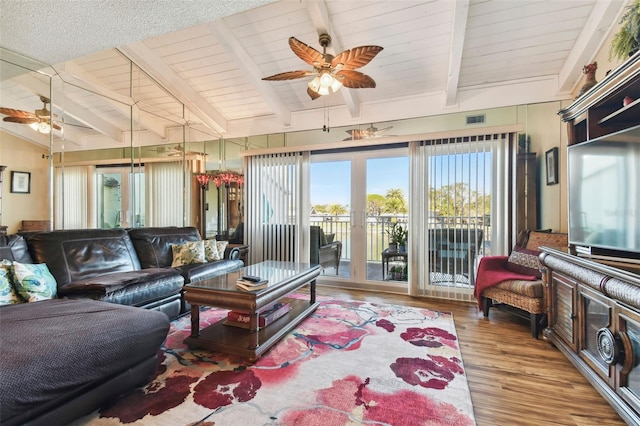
395, 202
337, 209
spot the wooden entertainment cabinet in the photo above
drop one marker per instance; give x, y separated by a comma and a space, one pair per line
594, 319
594, 302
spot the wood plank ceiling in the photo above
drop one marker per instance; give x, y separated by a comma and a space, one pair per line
439, 57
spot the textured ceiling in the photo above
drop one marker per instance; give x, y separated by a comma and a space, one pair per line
54, 31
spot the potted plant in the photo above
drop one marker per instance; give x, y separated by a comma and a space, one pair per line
627, 40
397, 237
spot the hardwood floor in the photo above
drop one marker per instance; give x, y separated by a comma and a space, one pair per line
514, 379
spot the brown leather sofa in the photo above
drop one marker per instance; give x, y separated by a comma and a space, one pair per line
128, 267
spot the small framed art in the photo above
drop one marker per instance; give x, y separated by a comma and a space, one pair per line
551, 157
21, 182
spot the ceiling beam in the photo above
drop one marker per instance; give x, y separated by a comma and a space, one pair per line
157, 68
75, 74
36, 86
223, 33
319, 14
601, 21
458, 34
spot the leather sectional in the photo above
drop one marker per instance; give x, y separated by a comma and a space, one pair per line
63, 358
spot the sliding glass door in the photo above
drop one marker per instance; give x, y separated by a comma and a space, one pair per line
356, 196
118, 190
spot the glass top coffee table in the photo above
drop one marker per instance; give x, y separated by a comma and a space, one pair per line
222, 292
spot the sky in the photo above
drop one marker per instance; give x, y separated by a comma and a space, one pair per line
330, 182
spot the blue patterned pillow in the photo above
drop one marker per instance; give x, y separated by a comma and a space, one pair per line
8, 293
34, 282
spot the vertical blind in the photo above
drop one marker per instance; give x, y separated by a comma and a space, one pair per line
275, 190
73, 198
458, 203
170, 191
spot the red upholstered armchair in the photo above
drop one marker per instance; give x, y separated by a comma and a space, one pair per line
515, 282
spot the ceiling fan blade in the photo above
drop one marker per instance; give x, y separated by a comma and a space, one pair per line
312, 93
56, 126
356, 57
305, 52
289, 75
355, 79
21, 120
355, 134
17, 113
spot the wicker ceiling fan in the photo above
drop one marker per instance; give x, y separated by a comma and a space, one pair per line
368, 133
40, 120
331, 72
175, 151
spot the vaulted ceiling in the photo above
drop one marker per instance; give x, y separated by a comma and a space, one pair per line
439, 57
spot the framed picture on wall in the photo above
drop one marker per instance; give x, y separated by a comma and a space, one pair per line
21, 182
551, 157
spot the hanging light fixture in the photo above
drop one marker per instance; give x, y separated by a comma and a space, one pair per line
325, 83
330, 72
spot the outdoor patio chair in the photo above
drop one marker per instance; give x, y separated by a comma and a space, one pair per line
324, 250
453, 252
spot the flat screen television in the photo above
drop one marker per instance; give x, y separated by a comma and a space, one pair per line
604, 196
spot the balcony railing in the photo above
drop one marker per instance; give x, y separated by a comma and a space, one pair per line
377, 226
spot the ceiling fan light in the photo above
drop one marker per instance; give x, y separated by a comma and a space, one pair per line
326, 79
315, 84
323, 90
41, 127
336, 85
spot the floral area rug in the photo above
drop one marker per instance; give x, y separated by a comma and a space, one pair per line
350, 363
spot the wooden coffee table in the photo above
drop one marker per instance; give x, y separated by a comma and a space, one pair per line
222, 292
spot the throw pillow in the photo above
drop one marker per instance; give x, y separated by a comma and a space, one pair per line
222, 246
211, 251
214, 250
523, 261
8, 293
34, 282
187, 253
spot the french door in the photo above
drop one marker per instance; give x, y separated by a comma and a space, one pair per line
357, 196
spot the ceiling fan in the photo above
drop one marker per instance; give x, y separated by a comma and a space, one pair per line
331, 72
176, 151
368, 133
40, 120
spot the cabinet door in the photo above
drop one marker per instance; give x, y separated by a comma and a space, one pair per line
595, 313
627, 380
563, 314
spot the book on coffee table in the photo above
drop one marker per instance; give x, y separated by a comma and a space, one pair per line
251, 285
243, 319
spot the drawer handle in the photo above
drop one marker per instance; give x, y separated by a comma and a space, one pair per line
609, 346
